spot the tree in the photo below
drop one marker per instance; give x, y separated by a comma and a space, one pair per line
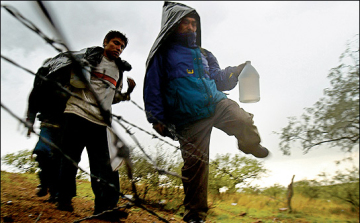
344, 186
274, 191
226, 171
21, 160
145, 174
24, 161
308, 188
334, 119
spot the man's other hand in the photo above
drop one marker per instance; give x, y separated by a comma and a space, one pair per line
160, 128
30, 130
131, 85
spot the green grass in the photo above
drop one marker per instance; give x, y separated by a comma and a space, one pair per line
83, 189
256, 207
260, 207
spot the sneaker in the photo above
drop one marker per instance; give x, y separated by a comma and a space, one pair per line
260, 152
64, 206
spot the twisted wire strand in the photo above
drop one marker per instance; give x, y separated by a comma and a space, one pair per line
32, 27
104, 112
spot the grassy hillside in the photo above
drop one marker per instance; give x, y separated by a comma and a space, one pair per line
224, 208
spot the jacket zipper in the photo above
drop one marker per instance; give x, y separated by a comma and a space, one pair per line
201, 75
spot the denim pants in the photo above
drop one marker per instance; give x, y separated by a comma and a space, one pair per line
80, 133
195, 141
48, 159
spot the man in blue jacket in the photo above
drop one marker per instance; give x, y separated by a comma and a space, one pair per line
183, 88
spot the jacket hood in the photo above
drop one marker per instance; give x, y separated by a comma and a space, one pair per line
172, 14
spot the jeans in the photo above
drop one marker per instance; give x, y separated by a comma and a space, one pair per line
48, 159
231, 119
80, 133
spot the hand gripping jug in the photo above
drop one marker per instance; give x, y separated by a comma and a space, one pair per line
249, 87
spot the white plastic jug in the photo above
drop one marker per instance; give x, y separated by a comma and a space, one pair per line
249, 86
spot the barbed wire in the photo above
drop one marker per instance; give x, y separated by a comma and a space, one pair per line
161, 171
17, 15
174, 133
104, 112
137, 201
98, 104
69, 92
27, 124
31, 26
172, 130
120, 118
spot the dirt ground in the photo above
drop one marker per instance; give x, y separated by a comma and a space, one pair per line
20, 204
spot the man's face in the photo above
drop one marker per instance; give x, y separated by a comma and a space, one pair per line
187, 25
114, 48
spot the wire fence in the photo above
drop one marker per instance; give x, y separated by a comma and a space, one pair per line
133, 202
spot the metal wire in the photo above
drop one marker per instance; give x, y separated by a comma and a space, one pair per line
32, 27
105, 113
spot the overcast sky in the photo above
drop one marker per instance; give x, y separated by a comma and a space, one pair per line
292, 45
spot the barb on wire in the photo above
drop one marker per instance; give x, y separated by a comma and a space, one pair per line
161, 171
31, 26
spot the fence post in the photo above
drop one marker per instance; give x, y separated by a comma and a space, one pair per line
290, 193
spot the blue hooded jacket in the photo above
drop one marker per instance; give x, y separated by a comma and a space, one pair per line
183, 82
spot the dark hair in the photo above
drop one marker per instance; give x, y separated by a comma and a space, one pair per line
115, 34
